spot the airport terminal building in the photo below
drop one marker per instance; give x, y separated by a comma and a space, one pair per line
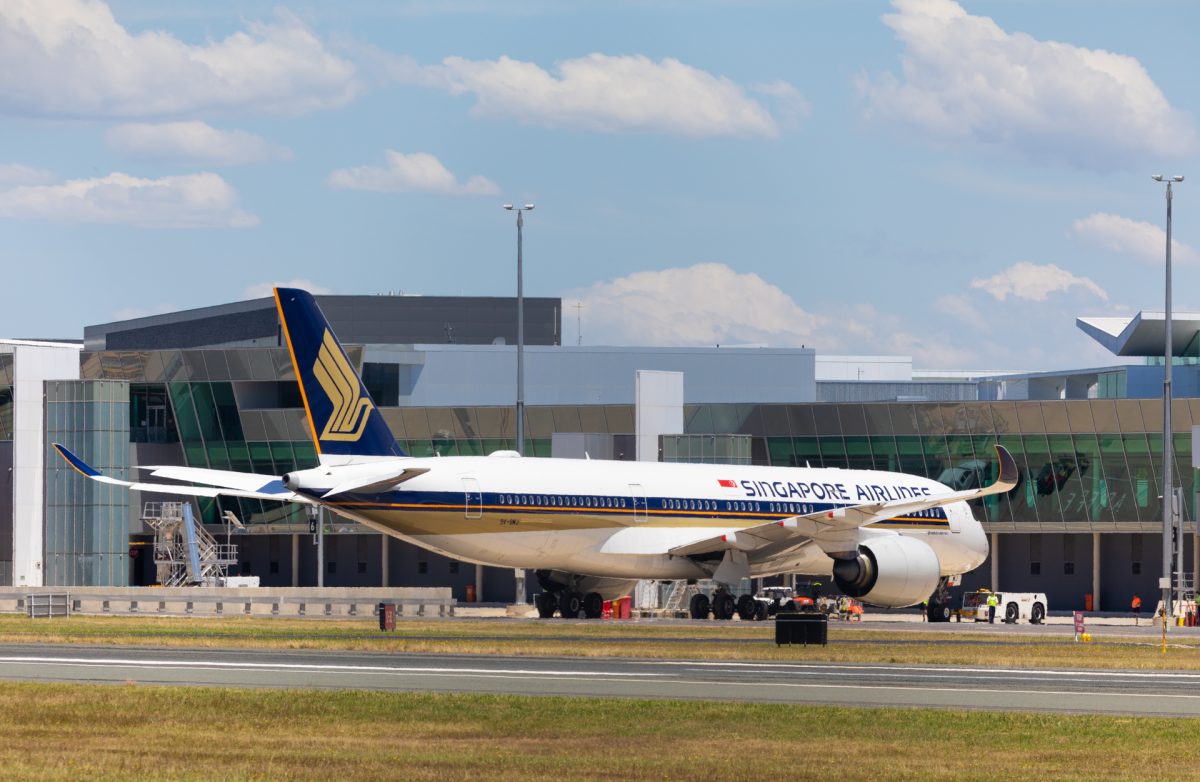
214, 387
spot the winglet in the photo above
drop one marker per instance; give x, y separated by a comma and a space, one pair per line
1008, 468
82, 467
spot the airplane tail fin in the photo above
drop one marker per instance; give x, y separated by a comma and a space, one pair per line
344, 419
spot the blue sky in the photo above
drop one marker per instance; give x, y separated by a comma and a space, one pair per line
951, 181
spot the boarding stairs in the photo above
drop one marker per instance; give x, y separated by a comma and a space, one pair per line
184, 552
679, 596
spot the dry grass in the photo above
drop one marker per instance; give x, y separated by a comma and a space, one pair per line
735, 641
64, 732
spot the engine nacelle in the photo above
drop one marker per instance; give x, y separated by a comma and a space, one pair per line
894, 571
319, 478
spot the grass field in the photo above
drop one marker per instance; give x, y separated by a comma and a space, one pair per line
732, 641
133, 732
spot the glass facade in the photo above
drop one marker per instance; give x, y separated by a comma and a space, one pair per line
706, 448
87, 524
1086, 465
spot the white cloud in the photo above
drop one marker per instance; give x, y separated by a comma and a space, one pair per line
963, 310
13, 174
705, 304
191, 201
1028, 281
605, 93
192, 142
1143, 242
418, 171
264, 290
966, 78
72, 58
789, 103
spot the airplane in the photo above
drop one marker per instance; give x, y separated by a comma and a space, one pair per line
590, 529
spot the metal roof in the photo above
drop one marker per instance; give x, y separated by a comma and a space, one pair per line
1143, 334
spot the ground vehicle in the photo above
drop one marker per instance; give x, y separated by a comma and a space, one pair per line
778, 598
1011, 606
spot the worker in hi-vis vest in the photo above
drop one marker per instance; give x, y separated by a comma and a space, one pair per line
993, 601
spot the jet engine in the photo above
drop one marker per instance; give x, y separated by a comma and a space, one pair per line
893, 571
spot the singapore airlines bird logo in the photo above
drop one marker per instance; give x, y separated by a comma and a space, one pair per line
350, 411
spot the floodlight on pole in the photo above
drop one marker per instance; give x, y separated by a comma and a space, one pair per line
519, 573
1168, 491
520, 329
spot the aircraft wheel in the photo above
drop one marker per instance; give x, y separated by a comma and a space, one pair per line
546, 604
747, 607
1011, 612
723, 606
760, 610
569, 605
593, 605
699, 607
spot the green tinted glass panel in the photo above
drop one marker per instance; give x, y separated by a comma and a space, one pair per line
260, 458
206, 412
306, 455
185, 412
910, 454
194, 453
218, 457
884, 453
780, 451
227, 412
858, 453
239, 457
470, 447
807, 452
285, 459
833, 451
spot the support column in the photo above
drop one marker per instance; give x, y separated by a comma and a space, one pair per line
995, 561
1095, 571
320, 547
295, 560
479, 583
383, 558
1196, 559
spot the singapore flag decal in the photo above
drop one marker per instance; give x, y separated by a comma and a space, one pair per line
727, 483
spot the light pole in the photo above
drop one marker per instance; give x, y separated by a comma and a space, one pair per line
519, 573
1168, 492
520, 330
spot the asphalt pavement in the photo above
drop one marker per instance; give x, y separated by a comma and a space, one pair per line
1077, 691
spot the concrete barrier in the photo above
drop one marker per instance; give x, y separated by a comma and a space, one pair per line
311, 603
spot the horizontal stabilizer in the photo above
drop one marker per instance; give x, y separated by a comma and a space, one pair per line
375, 483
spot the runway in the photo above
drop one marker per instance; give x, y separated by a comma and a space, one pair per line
1077, 691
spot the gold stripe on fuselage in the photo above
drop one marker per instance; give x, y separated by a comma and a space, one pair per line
430, 519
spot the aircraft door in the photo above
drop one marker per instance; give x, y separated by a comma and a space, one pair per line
952, 514
638, 495
472, 499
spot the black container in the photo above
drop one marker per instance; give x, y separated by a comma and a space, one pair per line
794, 627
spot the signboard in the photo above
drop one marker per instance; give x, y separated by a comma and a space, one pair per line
1078, 625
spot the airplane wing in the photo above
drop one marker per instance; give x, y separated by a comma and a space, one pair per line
833, 528
220, 482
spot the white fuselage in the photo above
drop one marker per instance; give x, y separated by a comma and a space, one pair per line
620, 519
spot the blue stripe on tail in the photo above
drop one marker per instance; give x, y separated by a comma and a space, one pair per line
345, 420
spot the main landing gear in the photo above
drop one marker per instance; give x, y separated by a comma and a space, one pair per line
569, 604
723, 605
